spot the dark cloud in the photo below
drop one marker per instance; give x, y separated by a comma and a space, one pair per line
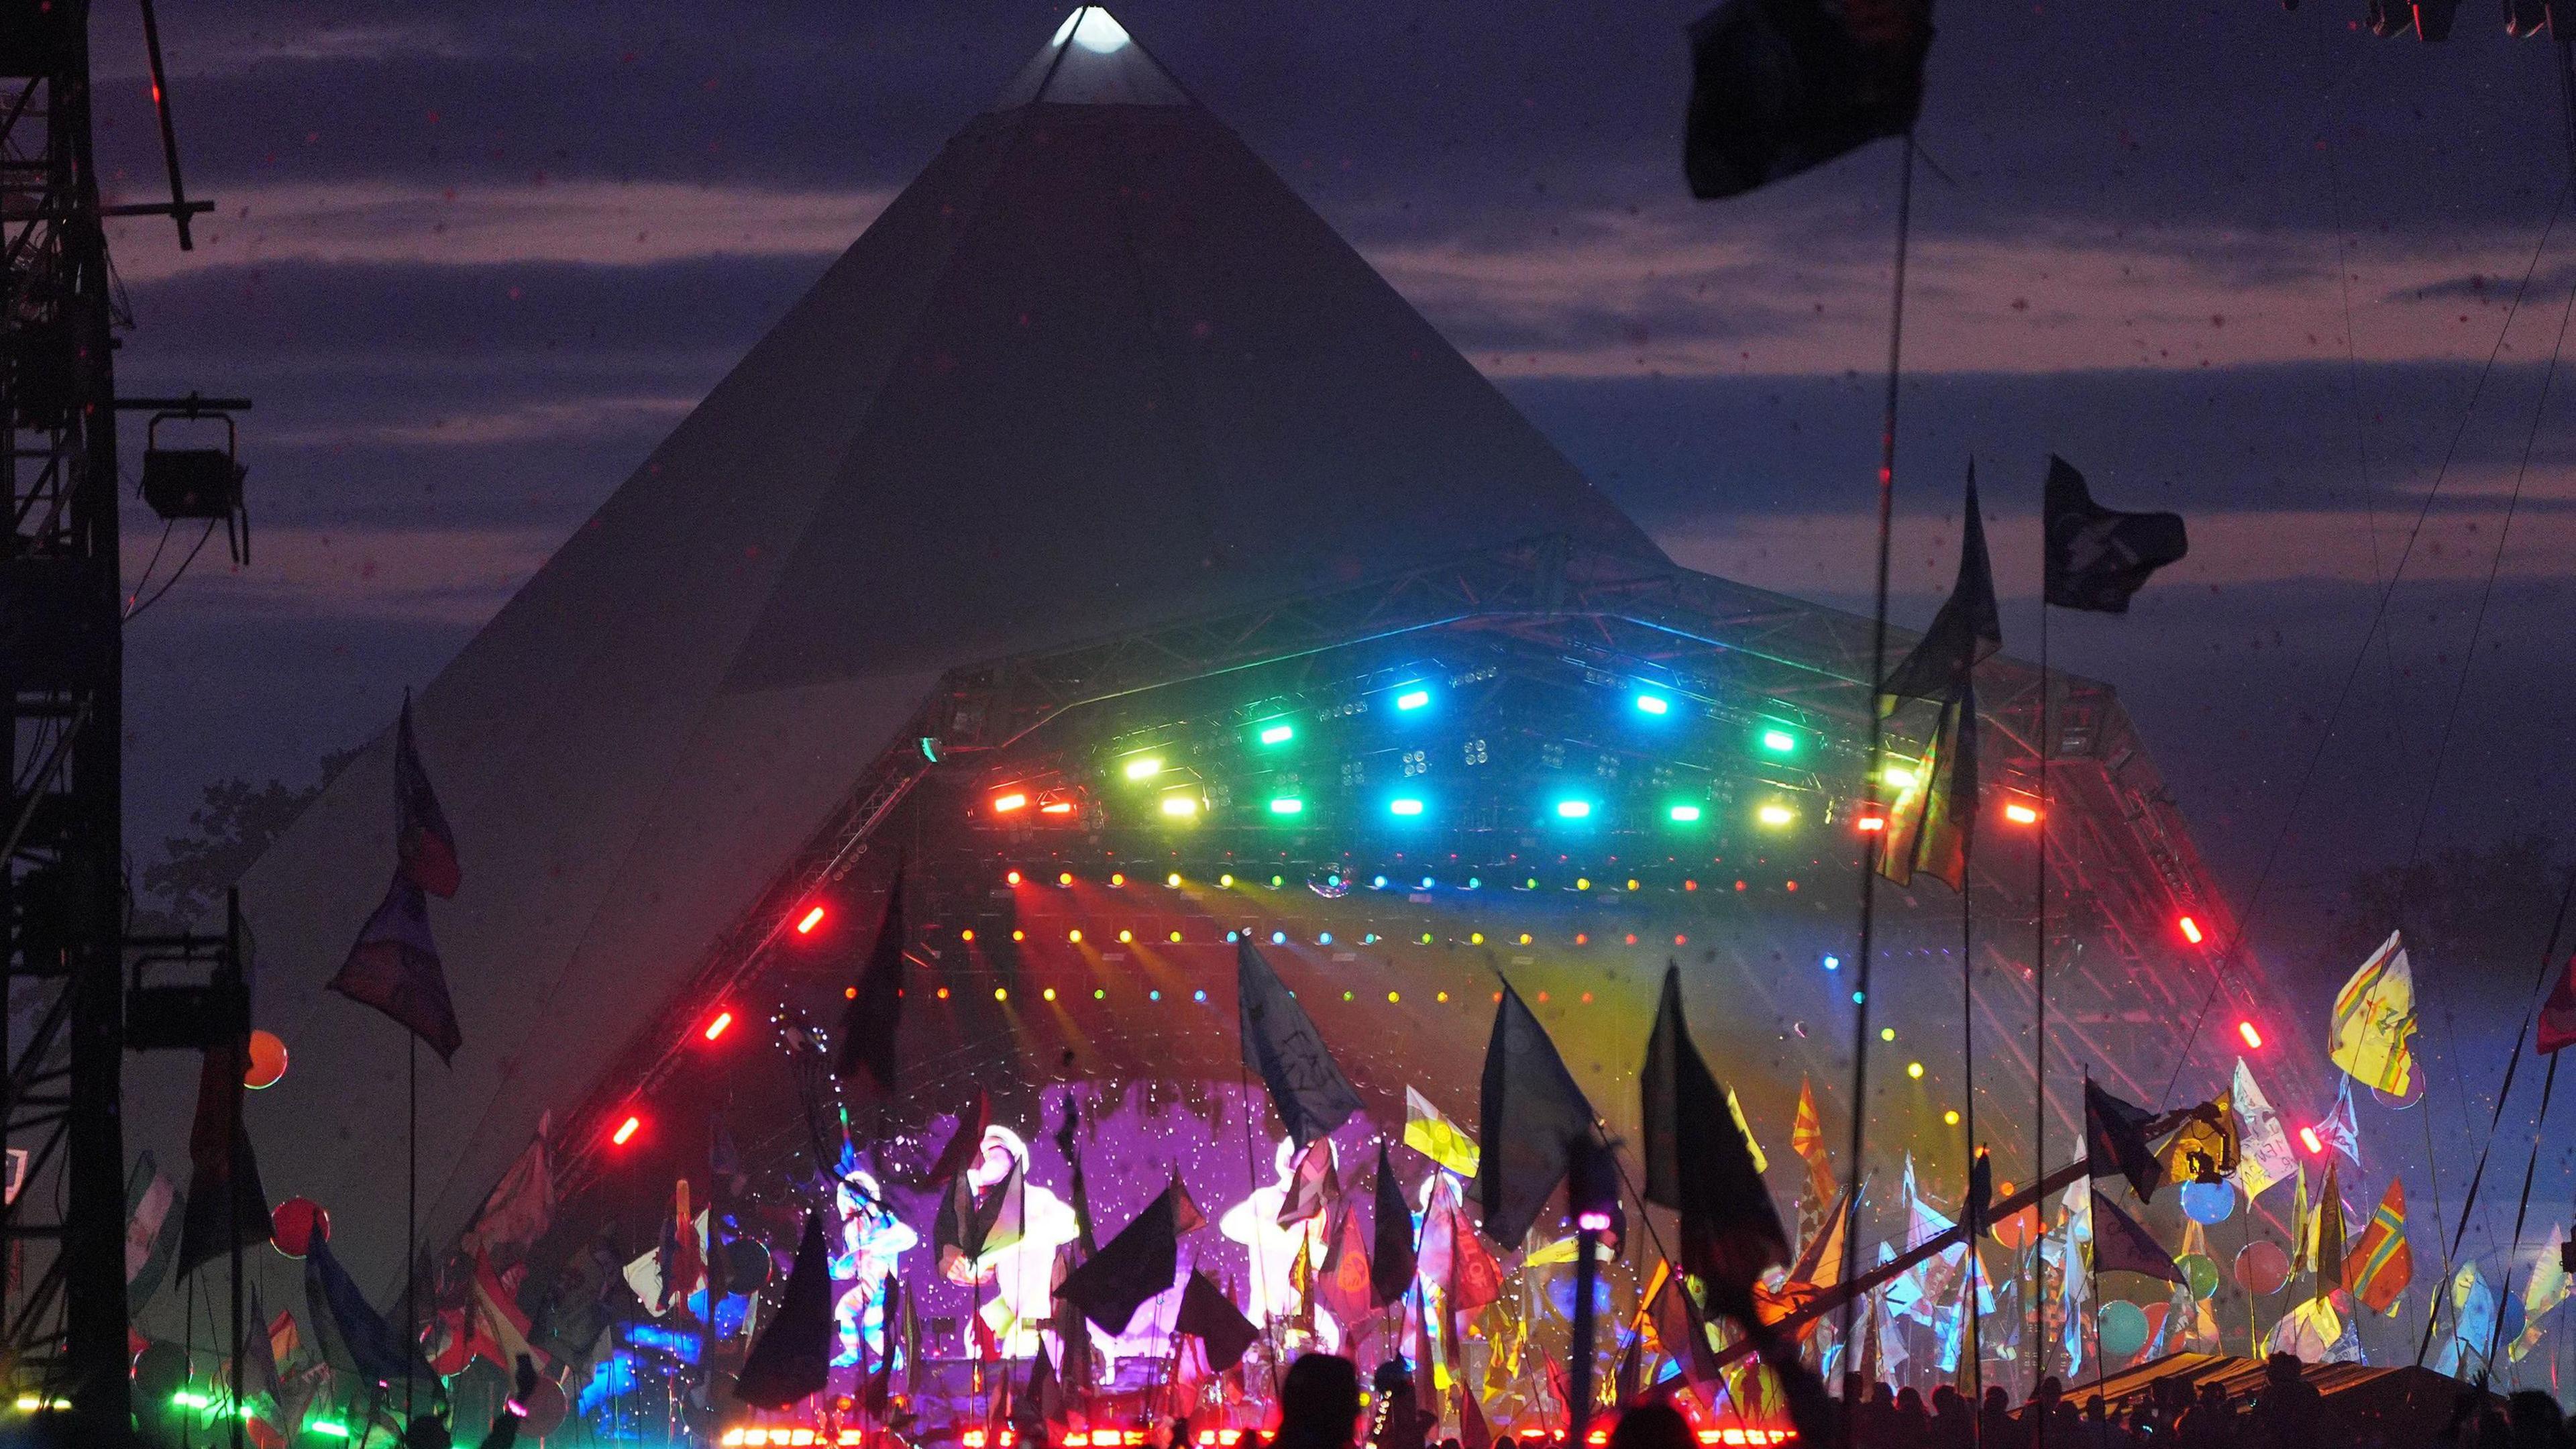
2236, 440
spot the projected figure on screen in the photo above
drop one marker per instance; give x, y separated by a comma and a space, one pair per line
872, 1240
1276, 1293
1018, 1257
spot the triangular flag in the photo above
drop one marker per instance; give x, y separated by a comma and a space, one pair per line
2263, 1152
1807, 1139
964, 1143
424, 846
1530, 1115
1698, 1164
1343, 1285
1140, 1262
793, 1357
151, 1230
872, 1020
226, 1204
2379, 1270
2558, 1014
519, 1208
1208, 1315
2340, 1131
1436, 1137
1311, 1184
2097, 557
1927, 827
394, 968
1280, 1042
1391, 1253
2121, 1246
1968, 627
348, 1329
2374, 1015
2115, 1142
2330, 1251
1452, 1259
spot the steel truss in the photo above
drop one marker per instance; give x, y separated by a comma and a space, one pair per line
2118, 845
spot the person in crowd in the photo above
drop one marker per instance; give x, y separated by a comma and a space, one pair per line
2536, 1421
2210, 1422
1994, 1419
1652, 1425
1952, 1425
1319, 1404
2287, 1409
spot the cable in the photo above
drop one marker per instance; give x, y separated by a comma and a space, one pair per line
176, 575
2325, 736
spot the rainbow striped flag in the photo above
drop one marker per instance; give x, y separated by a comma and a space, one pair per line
2379, 1270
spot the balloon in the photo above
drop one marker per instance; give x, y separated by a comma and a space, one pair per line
2124, 1330
2396, 1102
545, 1409
2208, 1202
298, 1223
2199, 1273
747, 1265
2262, 1268
267, 1061
159, 1371
2015, 1232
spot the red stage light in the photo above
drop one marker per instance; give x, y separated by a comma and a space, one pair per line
1870, 824
2190, 930
1005, 804
716, 1028
812, 918
2020, 814
626, 1131
1012, 878
1059, 807
2251, 1037
2308, 1140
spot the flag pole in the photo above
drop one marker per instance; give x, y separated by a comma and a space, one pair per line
1971, 1373
2039, 1014
1859, 1102
411, 1222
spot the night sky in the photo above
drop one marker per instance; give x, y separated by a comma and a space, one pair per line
472, 266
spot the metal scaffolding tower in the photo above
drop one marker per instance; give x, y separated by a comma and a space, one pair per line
63, 895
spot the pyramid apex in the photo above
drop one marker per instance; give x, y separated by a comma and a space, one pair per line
1091, 60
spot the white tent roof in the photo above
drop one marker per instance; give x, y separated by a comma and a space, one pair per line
1096, 368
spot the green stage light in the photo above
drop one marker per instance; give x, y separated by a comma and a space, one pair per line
329, 1428
1144, 767
1287, 805
1685, 814
1278, 734
1413, 699
1779, 742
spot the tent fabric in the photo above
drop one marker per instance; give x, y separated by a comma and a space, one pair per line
1096, 368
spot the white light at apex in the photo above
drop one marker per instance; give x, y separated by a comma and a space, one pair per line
1096, 32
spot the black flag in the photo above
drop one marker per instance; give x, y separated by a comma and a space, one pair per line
794, 1355
2097, 557
1281, 1043
422, 840
224, 1192
2115, 1142
1391, 1258
2121, 1246
1697, 1164
1530, 1114
1212, 1318
394, 968
1135, 1265
870, 1021
1966, 630
1779, 86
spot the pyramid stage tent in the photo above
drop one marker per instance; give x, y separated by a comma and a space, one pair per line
1096, 410
1096, 367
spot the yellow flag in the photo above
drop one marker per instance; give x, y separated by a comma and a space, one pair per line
1736, 1109
2374, 1014
1436, 1137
